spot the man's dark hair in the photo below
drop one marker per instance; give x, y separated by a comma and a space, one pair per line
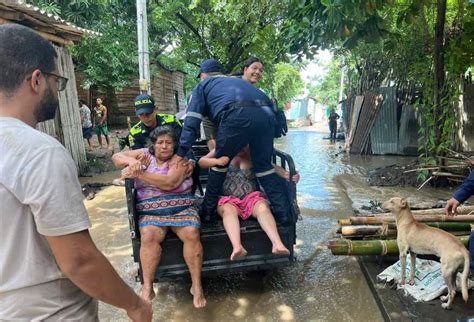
160, 131
252, 60
21, 52
82, 102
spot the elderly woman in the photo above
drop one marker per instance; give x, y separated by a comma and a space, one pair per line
164, 201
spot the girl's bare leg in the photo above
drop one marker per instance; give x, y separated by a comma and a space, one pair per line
262, 212
230, 217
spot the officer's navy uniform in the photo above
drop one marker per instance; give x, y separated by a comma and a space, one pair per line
244, 115
462, 194
139, 136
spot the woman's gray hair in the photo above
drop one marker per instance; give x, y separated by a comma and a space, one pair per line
160, 131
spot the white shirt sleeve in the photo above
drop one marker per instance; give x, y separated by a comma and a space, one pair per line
49, 186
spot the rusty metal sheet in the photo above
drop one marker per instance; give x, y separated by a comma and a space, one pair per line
355, 117
384, 133
370, 107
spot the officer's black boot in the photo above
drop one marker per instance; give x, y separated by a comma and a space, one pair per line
276, 189
213, 192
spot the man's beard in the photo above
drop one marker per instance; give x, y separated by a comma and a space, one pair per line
46, 109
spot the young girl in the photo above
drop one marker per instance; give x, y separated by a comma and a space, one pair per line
241, 198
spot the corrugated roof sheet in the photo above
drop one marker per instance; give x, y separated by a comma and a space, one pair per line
408, 135
384, 133
34, 17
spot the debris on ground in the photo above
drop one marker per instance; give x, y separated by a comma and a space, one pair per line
89, 190
395, 175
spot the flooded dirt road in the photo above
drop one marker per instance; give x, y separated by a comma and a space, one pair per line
318, 287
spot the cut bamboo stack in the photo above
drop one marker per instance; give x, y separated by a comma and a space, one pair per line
376, 235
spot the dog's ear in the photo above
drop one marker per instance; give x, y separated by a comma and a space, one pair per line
403, 203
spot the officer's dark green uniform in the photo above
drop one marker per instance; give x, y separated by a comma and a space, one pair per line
138, 138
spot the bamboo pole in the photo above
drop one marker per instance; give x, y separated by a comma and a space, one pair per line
361, 230
463, 210
420, 218
382, 229
370, 247
344, 222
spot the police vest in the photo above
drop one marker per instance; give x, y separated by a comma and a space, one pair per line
139, 133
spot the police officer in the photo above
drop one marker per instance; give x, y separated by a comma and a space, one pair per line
463, 193
245, 116
138, 137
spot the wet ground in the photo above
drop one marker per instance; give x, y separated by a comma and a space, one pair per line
318, 287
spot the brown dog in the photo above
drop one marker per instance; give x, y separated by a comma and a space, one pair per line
418, 238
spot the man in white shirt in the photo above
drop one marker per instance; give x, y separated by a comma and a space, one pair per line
50, 268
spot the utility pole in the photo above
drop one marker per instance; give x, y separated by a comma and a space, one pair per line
341, 87
143, 54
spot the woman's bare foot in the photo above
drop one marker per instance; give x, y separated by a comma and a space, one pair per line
280, 249
199, 300
238, 253
148, 293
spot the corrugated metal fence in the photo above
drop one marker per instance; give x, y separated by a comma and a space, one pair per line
384, 133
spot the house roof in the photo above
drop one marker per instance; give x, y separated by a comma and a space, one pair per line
48, 25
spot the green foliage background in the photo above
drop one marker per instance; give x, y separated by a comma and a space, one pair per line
182, 33
379, 42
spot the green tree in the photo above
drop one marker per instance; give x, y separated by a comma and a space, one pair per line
230, 31
284, 82
421, 47
325, 90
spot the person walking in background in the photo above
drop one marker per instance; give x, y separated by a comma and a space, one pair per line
50, 268
333, 117
100, 122
86, 122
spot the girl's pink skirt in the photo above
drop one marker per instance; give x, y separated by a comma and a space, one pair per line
244, 206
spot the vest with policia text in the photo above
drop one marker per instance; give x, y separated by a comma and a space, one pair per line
139, 136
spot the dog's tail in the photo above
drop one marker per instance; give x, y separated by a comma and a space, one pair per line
465, 275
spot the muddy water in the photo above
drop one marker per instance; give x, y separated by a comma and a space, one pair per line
318, 287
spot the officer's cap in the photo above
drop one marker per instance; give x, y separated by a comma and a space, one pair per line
144, 104
210, 66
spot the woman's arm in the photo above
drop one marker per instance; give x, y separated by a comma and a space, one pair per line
167, 182
127, 158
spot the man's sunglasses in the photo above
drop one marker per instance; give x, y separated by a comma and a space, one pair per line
62, 81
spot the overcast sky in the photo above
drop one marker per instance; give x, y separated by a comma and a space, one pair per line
316, 67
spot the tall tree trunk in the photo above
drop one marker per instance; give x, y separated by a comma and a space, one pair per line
439, 68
